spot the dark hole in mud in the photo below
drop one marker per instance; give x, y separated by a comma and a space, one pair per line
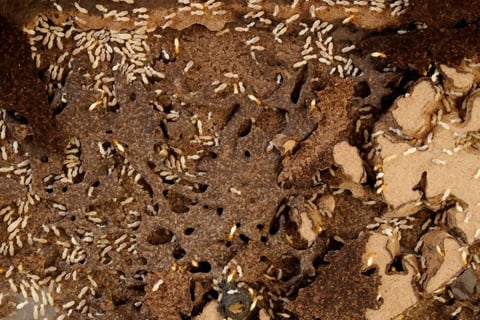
245, 128
188, 231
396, 265
202, 267
299, 82
362, 89
160, 236
178, 253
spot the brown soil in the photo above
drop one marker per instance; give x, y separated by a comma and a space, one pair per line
202, 161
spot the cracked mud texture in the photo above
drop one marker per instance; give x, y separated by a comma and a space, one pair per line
193, 164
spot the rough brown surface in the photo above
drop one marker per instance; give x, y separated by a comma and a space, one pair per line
175, 160
331, 122
21, 90
347, 301
442, 45
171, 294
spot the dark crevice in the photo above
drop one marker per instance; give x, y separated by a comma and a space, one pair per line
167, 108
188, 231
244, 238
159, 236
154, 79
299, 144
146, 186
462, 23
299, 82
50, 96
202, 267
42, 74
282, 209
422, 184
318, 261
362, 89
18, 117
114, 108
291, 229
233, 110
59, 109
163, 126
334, 245
200, 188
166, 58
178, 253
119, 300
192, 291
399, 86
291, 267
151, 165
318, 84
369, 272
245, 128
396, 265
157, 147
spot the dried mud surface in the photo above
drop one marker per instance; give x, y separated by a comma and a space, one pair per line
175, 160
